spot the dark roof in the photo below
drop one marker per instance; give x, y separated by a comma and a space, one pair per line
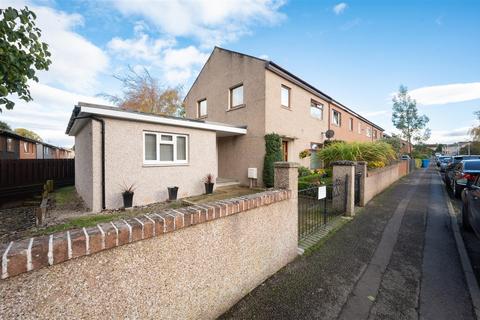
77, 109
272, 66
11, 134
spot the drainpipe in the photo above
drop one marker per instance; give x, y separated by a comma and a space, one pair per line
102, 123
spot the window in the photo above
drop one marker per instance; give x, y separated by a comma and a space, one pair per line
336, 118
359, 128
369, 132
375, 134
285, 96
236, 96
165, 148
350, 124
202, 108
316, 110
10, 145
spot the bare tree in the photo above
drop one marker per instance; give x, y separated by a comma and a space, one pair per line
142, 92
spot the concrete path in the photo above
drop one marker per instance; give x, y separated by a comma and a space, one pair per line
396, 260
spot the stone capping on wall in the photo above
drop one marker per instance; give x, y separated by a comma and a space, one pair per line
38, 252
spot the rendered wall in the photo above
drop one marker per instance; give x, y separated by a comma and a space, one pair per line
196, 272
378, 180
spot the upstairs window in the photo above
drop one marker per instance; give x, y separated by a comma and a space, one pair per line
369, 132
375, 134
10, 145
285, 96
316, 110
336, 118
165, 148
236, 96
359, 128
350, 124
202, 108
25, 147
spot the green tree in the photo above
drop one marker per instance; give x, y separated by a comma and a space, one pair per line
474, 148
21, 54
405, 118
439, 148
28, 134
395, 142
142, 92
5, 126
273, 153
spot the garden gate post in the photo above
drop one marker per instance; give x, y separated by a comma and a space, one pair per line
361, 168
286, 177
344, 179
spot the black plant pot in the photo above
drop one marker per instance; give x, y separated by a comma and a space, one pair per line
209, 187
172, 193
127, 199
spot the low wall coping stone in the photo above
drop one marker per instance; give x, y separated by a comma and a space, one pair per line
285, 164
343, 163
38, 252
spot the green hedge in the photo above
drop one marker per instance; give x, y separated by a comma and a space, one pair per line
273, 153
376, 154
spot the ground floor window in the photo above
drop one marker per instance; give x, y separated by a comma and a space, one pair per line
165, 148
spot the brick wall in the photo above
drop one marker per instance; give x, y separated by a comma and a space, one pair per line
193, 262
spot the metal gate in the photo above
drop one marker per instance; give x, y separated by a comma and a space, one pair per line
314, 213
358, 178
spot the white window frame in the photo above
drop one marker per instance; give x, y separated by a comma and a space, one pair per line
316, 105
339, 124
230, 97
199, 109
173, 142
359, 128
289, 92
369, 132
25, 147
350, 124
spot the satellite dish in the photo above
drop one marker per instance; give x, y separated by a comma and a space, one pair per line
329, 134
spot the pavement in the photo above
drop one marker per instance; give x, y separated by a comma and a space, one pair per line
396, 260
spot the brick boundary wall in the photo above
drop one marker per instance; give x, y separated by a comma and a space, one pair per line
38, 252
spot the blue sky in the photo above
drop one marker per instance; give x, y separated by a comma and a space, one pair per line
359, 52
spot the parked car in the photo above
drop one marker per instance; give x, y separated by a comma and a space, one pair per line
464, 172
444, 163
439, 159
471, 207
405, 157
450, 167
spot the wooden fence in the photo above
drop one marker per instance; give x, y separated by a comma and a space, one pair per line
30, 172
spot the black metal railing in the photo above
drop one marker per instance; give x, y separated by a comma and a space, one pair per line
314, 213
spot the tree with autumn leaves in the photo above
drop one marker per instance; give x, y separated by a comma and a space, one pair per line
142, 92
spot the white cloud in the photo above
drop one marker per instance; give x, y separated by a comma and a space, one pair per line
213, 22
48, 114
340, 8
450, 93
450, 136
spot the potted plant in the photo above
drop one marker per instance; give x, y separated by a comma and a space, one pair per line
127, 194
209, 183
172, 193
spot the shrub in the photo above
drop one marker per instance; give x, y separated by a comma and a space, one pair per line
304, 171
372, 152
273, 153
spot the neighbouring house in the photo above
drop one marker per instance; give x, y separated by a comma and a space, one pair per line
116, 148
239, 89
15, 146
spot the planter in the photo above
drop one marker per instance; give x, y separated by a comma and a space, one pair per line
127, 199
209, 187
172, 193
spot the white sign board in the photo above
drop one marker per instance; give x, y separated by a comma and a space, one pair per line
322, 192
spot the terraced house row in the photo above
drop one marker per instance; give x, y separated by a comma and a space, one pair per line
242, 90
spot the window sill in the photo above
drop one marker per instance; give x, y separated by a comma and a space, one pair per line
203, 117
148, 165
240, 106
285, 107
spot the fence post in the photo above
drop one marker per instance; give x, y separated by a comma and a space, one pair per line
286, 177
361, 167
344, 174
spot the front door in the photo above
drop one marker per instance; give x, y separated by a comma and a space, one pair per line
285, 150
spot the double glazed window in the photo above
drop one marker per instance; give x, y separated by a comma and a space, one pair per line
236, 96
10, 145
359, 128
165, 148
336, 118
350, 124
369, 132
202, 108
285, 96
316, 110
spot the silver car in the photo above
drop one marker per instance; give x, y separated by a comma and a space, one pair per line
444, 162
